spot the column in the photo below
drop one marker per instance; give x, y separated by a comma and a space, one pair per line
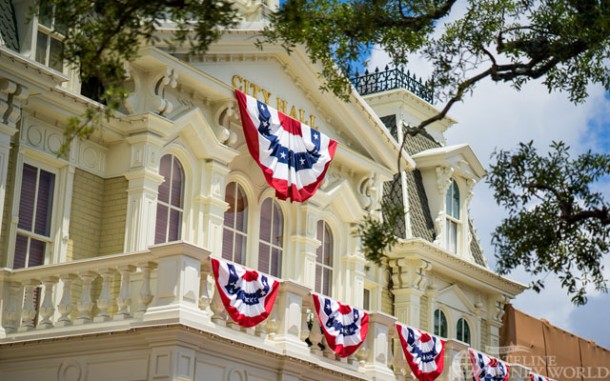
409, 276
144, 181
353, 264
303, 245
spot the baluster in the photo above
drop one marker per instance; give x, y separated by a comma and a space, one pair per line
361, 355
272, 324
85, 303
315, 336
104, 302
218, 309
204, 291
123, 300
46, 307
146, 295
11, 313
305, 315
30, 305
65, 304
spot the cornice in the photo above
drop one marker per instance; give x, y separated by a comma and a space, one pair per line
456, 267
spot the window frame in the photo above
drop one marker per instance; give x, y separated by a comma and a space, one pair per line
453, 223
465, 324
50, 33
270, 245
169, 205
245, 234
321, 265
439, 333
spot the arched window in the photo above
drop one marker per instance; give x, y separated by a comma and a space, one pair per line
324, 259
452, 210
170, 201
463, 331
440, 323
235, 225
271, 238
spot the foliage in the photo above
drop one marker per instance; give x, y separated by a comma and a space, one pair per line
556, 222
100, 36
378, 235
565, 42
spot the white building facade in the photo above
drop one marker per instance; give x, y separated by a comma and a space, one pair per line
105, 252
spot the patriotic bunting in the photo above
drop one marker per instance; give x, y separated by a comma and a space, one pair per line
344, 327
487, 368
538, 377
293, 156
425, 353
247, 295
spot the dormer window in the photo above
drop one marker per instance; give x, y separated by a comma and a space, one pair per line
48, 44
452, 212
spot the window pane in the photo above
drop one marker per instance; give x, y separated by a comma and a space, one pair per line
318, 279
328, 275
44, 204
21, 247
440, 323
175, 217
366, 300
177, 184
45, 14
328, 242
161, 226
165, 171
28, 193
36, 253
240, 249
278, 226
56, 56
265, 222
41, 48
276, 262
227, 245
263, 257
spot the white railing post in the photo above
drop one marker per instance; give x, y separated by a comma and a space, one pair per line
105, 301
85, 303
376, 343
12, 311
145, 295
30, 305
65, 304
289, 306
178, 283
123, 301
47, 309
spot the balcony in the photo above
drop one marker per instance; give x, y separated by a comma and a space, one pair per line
390, 79
171, 285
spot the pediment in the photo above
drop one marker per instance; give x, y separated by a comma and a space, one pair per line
454, 297
459, 157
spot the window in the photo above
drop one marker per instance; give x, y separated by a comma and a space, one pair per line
49, 48
170, 201
463, 331
452, 210
235, 225
271, 238
324, 259
440, 323
366, 299
35, 208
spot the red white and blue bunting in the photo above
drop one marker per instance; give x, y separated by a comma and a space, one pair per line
487, 368
247, 295
425, 353
293, 156
344, 327
539, 377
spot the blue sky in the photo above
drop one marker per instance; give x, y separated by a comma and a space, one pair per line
499, 117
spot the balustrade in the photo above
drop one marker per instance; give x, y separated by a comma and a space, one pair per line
171, 281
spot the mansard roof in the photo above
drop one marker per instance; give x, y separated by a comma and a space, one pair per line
8, 26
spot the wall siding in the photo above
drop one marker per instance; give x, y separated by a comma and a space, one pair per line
114, 216
86, 216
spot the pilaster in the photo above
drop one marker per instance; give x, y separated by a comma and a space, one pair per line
353, 265
144, 181
410, 280
303, 245
212, 206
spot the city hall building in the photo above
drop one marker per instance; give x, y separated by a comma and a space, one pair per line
105, 253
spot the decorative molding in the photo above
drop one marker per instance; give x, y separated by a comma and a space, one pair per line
169, 78
12, 97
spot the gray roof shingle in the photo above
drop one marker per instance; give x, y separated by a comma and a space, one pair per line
8, 26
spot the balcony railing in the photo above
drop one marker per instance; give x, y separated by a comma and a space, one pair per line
389, 79
172, 283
